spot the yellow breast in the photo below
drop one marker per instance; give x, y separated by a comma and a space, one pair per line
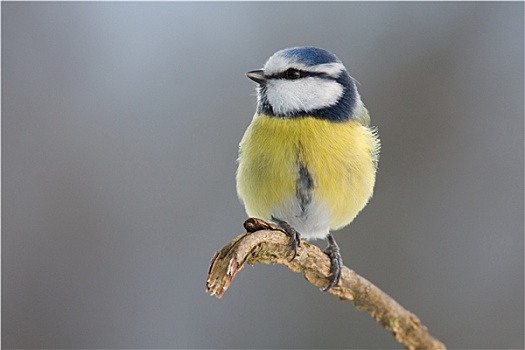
339, 156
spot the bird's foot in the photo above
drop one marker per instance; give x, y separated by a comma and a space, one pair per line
336, 262
295, 238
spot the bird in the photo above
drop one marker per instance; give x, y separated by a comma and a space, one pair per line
308, 160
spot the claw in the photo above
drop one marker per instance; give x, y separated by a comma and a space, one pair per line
336, 262
295, 237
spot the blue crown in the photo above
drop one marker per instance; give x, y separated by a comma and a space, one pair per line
310, 55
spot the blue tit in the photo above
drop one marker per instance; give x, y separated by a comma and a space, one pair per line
308, 160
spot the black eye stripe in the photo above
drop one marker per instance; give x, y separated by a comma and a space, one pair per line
304, 74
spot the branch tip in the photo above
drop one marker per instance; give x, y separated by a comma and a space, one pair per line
268, 244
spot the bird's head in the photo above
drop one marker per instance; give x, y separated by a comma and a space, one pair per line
306, 81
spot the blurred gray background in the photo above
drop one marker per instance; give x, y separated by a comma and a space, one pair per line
120, 126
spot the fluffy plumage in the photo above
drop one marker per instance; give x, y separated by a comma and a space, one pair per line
308, 159
309, 156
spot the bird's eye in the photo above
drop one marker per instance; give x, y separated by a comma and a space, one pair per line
292, 74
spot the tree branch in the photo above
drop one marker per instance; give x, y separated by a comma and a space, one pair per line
268, 244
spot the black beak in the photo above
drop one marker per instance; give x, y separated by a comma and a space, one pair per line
257, 76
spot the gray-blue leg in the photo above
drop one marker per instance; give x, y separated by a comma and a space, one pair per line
295, 238
336, 262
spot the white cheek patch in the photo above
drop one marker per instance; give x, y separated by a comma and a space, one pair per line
302, 95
